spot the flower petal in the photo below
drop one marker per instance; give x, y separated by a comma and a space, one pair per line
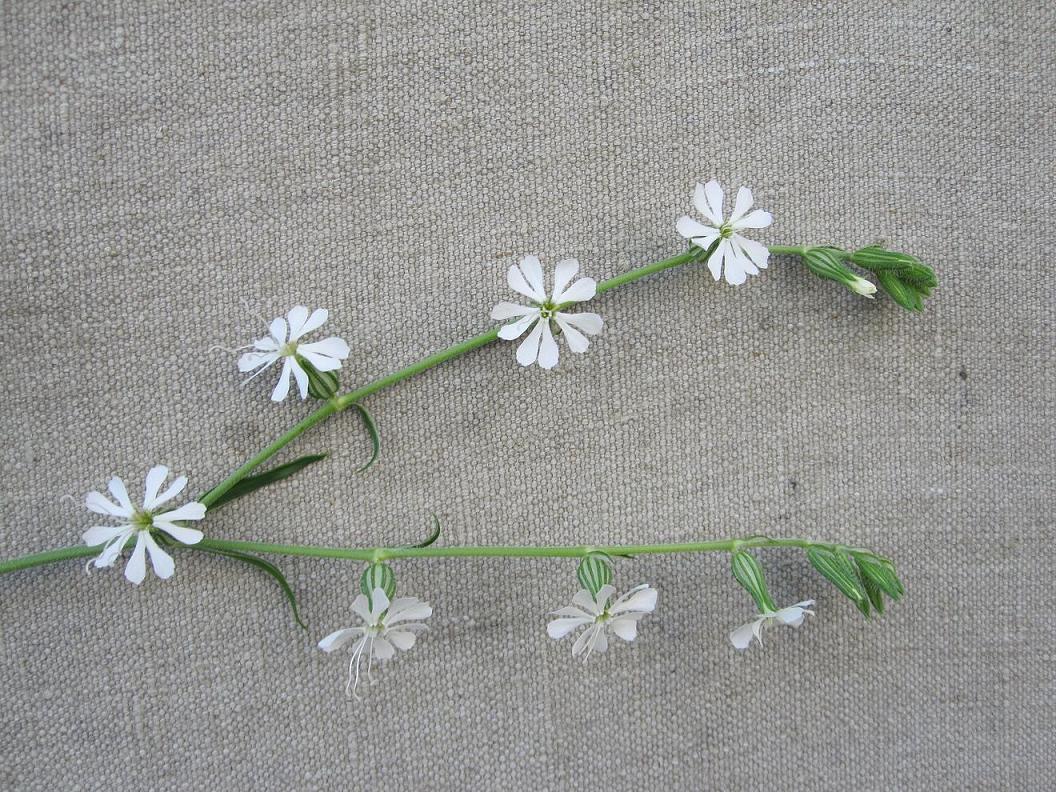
533, 273
155, 478
401, 639
577, 342
407, 609
585, 600
604, 595
708, 200
301, 376
162, 562
580, 291
528, 351
114, 549
382, 649
379, 604
336, 640
136, 568
743, 204
333, 347
101, 534
564, 272
639, 599
252, 360
756, 251
313, 322
626, 627
266, 344
187, 536
361, 607
100, 504
589, 323
321, 362
696, 232
715, 259
117, 489
548, 351
516, 329
188, 511
174, 489
508, 310
517, 281
277, 330
559, 628
580, 646
743, 261
741, 638
296, 318
282, 387
756, 219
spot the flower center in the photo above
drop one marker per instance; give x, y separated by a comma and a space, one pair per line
547, 309
143, 521
725, 230
289, 349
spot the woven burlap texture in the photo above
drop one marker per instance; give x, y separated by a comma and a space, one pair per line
171, 172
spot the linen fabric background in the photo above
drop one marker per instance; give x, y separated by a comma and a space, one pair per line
165, 165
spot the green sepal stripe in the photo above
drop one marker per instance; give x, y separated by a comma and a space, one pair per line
748, 572
322, 385
378, 575
253, 483
261, 564
880, 574
838, 570
594, 572
372, 430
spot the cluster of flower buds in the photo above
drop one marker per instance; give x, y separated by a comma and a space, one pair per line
902, 276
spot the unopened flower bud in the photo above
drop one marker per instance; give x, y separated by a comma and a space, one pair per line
863, 287
594, 572
378, 576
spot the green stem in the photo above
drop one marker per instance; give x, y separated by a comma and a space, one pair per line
469, 551
346, 400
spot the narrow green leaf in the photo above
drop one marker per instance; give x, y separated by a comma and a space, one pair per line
261, 564
839, 572
433, 536
253, 483
372, 430
748, 572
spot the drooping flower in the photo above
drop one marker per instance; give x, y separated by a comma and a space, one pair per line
792, 616
142, 523
540, 345
388, 626
735, 255
283, 342
619, 617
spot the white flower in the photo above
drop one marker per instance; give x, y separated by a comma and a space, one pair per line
863, 287
620, 617
792, 616
540, 345
738, 256
142, 523
283, 343
387, 627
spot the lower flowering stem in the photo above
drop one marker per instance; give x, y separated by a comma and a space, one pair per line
374, 554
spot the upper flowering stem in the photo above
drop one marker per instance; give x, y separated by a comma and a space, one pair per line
540, 345
283, 342
735, 254
142, 523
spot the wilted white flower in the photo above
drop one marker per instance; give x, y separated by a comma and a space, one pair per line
142, 523
387, 627
621, 617
863, 287
283, 343
738, 256
540, 345
792, 616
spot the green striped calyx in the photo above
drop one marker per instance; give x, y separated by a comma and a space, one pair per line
749, 573
593, 572
378, 575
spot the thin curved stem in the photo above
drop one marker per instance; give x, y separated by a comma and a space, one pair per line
371, 554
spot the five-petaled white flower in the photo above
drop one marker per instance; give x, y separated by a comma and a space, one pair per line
737, 256
793, 616
387, 627
540, 345
283, 343
142, 523
620, 617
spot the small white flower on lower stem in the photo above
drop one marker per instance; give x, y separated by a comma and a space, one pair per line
601, 617
388, 626
738, 256
283, 342
142, 523
540, 345
792, 616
